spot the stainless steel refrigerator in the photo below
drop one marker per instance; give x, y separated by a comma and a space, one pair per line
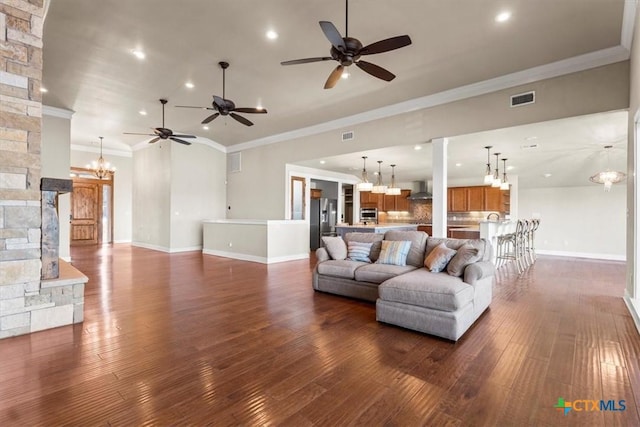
322, 220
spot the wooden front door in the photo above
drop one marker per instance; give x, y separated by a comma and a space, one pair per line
85, 212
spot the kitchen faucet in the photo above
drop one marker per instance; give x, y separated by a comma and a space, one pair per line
493, 213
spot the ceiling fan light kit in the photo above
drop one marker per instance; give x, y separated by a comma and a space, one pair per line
348, 50
163, 132
226, 107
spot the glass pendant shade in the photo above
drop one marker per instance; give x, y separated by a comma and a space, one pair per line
496, 176
392, 190
364, 184
379, 188
488, 175
505, 182
607, 177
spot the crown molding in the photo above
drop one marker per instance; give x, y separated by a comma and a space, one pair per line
57, 112
628, 23
555, 69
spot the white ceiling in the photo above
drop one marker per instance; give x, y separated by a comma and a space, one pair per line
89, 68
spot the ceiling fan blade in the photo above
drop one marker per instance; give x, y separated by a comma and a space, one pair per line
306, 60
156, 139
334, 77
241, 119
218, 101
189, 106
135, 133
179, 140
250, 110
333, 35
386, 45
375, 70
210, 118
182, 136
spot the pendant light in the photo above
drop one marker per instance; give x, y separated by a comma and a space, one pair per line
364, 184
607, 177
392, 190
496, 176
488, 175
505, 182
101, 168
379, 188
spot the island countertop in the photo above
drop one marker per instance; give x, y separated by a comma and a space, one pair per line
374, 228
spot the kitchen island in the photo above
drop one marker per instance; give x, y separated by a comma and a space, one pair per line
341, 230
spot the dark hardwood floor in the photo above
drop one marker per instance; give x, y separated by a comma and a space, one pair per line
187, 339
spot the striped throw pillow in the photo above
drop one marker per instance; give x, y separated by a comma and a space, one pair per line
359, 251
394, 252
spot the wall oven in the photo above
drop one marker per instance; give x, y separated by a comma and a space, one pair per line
369, 215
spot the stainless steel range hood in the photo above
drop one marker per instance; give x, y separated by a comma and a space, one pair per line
422, 193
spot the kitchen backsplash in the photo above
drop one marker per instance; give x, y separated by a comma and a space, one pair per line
421, 213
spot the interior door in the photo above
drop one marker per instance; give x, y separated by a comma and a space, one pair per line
85, 211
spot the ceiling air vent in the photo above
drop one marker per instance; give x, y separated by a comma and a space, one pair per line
234, 162
523, 99
347, 136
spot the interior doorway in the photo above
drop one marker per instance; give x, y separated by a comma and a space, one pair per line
91, 208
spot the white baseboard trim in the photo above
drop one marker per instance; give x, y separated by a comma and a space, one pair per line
255, 258
122, 241
165, 249
608, 257
634, 308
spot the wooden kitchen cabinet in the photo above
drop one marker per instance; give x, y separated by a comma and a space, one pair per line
496, 200
397, 203
372, 200
426, 228
457, 199
476, 198
316, 193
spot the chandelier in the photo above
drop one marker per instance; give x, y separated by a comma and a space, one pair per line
364, 184
607, 177
392, 190
379, 188
100, 168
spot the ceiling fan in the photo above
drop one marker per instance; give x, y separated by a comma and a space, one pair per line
347, 51
227, 107
163, 132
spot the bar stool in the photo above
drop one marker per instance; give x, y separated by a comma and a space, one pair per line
505, 244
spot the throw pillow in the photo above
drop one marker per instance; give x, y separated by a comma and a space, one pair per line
359, 251
437, 260
394, 252
336, 247
466, 255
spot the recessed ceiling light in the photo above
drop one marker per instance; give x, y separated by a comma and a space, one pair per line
142, 113
417, 147
547, 175
503, 16
458, 164
345, 75
138, 54
272, 35
205, 127
189, 85
322, 162
509, 168
43, 90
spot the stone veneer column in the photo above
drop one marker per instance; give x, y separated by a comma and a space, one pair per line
21, 24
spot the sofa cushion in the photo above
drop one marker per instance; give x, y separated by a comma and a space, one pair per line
420, 287
340, 268
483, 245
359, 251
467, 254
375, 238
418, 241
394, 252
438, 258
336, 247
378, 273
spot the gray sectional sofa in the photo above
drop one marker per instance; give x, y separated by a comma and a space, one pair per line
444, 303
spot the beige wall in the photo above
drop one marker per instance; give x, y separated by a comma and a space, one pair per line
600, 89
175, 188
